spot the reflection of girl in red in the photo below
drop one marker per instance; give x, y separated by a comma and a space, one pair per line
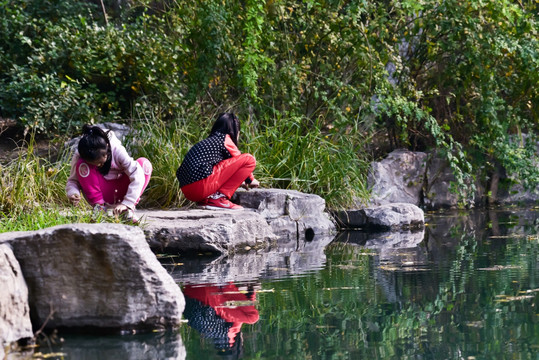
230, 309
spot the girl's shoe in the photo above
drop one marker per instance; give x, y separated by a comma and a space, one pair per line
221, 203
130, 215
203, 203
99, 211
216, 195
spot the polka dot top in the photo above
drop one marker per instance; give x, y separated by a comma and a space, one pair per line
201, 158
205, 320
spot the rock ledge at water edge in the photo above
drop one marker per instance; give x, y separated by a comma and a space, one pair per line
269, 217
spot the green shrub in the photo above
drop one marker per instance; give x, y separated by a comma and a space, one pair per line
458, 76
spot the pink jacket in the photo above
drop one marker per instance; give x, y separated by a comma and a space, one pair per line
122, 164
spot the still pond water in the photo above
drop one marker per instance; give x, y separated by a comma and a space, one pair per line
467, 287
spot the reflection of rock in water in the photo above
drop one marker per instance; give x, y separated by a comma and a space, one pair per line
400, 258
409, 266
444, 225
395, 240
291, 257
399, 265
166, 346
383, 241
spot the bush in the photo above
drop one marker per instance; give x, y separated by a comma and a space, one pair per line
459, 75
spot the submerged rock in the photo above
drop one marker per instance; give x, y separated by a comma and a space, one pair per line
91, 275
165, 346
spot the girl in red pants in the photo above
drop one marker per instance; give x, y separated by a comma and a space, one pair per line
107, 175
214, 168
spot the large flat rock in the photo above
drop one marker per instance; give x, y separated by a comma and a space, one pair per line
291, 214
201, 231
270, 217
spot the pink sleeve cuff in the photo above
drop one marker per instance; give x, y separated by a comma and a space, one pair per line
231, 147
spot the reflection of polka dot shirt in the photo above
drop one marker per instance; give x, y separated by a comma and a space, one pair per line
205, 320
201, 158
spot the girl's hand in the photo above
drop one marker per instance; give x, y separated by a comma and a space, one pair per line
75, 199
254, 183
118, 209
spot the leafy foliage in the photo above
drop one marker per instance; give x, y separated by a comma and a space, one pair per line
458, 75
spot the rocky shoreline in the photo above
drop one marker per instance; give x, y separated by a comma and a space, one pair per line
107, 276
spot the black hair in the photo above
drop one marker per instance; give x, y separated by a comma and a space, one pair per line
235, 351
227, 123
93, 140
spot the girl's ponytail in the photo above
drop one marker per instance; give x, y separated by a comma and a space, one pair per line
93, 140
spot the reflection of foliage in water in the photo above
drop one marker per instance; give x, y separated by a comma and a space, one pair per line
452, 311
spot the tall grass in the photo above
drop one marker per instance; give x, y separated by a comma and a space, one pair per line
164, 144
30, 181
32, 194
290, 155
294, 153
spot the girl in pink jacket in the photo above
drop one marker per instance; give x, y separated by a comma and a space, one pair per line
106, 174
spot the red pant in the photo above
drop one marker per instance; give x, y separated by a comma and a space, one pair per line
226, 178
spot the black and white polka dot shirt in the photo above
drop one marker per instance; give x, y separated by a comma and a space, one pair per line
201, 158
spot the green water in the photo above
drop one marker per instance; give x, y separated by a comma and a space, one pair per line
465, 288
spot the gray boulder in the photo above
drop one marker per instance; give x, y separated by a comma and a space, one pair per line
417, 178
438, 193
15, 322
517, 194
121, 131
511, 190
89, 275
396, 216
201, 231
290, 213
398, 178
